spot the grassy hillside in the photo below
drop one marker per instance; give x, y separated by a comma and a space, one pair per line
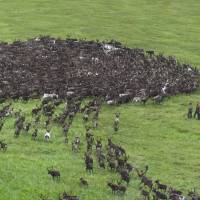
166, 26
159, 136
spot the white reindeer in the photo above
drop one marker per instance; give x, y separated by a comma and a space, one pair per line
47, 136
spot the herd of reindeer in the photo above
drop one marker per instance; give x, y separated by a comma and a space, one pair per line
113, 157
90, 68
105, 71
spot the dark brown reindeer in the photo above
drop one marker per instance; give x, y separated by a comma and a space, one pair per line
145, 193
3, 145
117, 188
113, 187
161, 186
147, 182
88, 163
55, 174
159, 195
122, 189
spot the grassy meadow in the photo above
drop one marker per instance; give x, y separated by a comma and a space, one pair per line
157, 135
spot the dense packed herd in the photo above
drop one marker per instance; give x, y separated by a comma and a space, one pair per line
89, 68
110, 157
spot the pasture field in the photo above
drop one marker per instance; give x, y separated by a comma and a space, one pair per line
157, 135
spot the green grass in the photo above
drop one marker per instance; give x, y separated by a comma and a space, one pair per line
159, 136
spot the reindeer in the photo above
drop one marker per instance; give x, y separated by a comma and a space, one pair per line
47, 135
1, 124
161, 186
135, 71
125, 176
54, 173
65, 129
146, 181
27, 127
3, 145
88, 163
98, 148
158, 99
83, 182
122, 189
113, 187
76, 144
85, 117
116, 123
34, 134
145, 193
17, 131
159, 195
117, 188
